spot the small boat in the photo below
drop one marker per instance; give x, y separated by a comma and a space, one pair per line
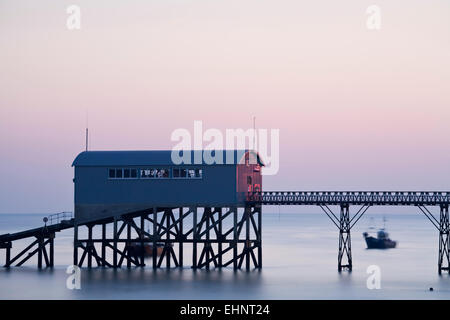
137, 248
382, 240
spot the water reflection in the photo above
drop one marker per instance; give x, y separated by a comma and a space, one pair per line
175, 283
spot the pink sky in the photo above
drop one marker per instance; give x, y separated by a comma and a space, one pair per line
356, 109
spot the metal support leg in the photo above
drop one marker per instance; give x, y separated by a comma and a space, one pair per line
52, 251
194, 248
180, 252
40, 249
168, 246
89, 246
444, 248
235, 238
128, 244
8, 255
208, 243
75, 245
259, 236
247, 238
155, 236
142, 236
115, 244
103, 244
345, 247
220, 239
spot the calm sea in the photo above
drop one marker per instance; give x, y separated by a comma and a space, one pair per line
299, 262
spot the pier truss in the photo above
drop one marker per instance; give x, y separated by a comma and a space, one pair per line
41, 244
363, 200
215, 237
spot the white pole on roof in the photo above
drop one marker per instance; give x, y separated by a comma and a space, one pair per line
254, 133
87, 130
87, 135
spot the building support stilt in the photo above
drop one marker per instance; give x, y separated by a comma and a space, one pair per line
220, 237
8, 254
154, 238
235, 238
52, 251
39, 264
89, 245
104, 243
181, 237
194, 238
259, 237
128, 244
217, 236
142, 237
247, 213
115, 238
75, 245
168, 244
208, 249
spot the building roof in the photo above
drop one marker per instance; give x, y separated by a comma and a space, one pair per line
156, 157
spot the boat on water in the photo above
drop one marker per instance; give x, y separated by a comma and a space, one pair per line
138, 248
147, 249
381, 241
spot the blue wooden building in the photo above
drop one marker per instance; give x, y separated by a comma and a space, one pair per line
111, 183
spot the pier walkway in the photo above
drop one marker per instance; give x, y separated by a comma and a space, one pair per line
217, 241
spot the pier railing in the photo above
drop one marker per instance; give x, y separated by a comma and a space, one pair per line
58, 217
349, 197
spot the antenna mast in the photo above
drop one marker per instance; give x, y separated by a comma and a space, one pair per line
254, 133
87, 130
87, 139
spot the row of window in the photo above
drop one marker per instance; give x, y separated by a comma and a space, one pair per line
187, 173
155, 173
123, 173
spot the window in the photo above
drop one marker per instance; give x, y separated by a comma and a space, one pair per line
191, 173
162, 173
187, 173
145, 173
126, 173
153, 173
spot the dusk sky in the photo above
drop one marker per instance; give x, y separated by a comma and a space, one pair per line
356, 108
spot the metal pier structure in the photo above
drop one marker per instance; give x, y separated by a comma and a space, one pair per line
41, 239
363, 200
219, 236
